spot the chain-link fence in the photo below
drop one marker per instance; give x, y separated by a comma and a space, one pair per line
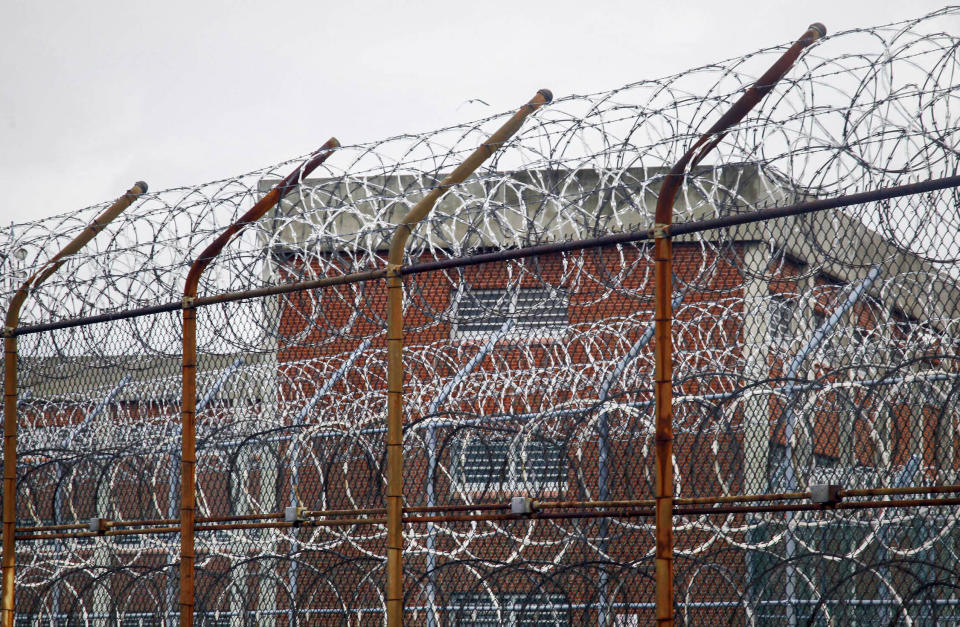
246, 479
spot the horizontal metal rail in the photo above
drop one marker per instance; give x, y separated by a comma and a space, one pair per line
644, 512
620, 508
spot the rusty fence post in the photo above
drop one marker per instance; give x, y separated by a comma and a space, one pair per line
395, 347
188, 414
663, 281
10, 392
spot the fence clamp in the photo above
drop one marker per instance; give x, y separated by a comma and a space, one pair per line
825, 493
523, 505
294, 514
189, 302
660, 231
99, 526
393, 269
8, 331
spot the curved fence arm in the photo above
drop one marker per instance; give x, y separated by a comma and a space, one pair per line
461, 172
188, 462
715, 134
663, 280
395, 347
10, 388
256, 212
109, 214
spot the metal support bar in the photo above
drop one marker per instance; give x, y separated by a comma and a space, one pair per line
301, 416
103, 404
215, 388
663, 277
631, 355
332, 381
188, 415
394, 592
471, 365
10, 391
793, 368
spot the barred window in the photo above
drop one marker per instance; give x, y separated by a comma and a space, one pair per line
140, 620
213, 619
529, 465
511, 610
537, 311
780, 329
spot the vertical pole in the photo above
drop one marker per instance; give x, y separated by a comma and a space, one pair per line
9, 473
394, 448
188, 461
10, 392
188, 411
663, 278
789, 427
395, 348
663, 438
432, 618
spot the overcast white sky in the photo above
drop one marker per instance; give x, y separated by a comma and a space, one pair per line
98, 94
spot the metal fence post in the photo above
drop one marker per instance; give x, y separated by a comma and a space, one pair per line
10, 389
395, 348
188, 415
663, 278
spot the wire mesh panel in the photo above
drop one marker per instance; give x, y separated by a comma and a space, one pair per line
284, 431
837, 389
849, 566
98, 457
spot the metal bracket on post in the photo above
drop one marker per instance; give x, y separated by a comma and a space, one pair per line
99, 526
660, 231
189, 302
825, 493
523, 505
294, 514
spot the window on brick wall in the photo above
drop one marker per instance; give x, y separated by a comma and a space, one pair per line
511, 610
213, 619
780, 325
819, 469
538, 311
46, 620
529, 465
828, 345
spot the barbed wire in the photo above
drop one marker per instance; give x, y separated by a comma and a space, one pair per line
864, 109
